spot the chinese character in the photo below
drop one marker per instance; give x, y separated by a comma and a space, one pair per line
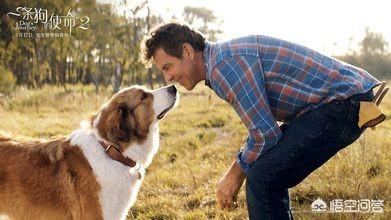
350, 205
42, 15
377, 206
364, 205
336, 205
69, 21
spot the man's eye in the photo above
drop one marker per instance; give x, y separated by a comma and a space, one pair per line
144, 96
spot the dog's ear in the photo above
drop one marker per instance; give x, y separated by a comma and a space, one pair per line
91, 118
121, 124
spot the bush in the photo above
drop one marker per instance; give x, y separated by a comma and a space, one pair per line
7, 80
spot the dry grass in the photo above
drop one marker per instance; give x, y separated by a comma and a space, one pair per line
199, 140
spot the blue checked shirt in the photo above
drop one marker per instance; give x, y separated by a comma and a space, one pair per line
268, 80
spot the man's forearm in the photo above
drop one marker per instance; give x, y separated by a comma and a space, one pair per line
229, 186
236, 171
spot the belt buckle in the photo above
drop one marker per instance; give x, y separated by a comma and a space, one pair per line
112, 145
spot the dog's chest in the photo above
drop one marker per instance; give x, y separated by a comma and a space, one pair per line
119, 189
119, 183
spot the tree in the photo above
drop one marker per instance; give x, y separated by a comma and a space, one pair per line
203, 19
107, 53
373, 55
373, 44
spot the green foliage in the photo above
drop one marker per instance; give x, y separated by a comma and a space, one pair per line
378, 65
204, 20
105, 54
7, 80
373, 43
372, 56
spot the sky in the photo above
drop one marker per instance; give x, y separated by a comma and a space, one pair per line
332, 27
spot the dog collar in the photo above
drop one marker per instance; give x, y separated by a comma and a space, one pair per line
114, 152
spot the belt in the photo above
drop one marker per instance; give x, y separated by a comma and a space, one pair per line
368, 96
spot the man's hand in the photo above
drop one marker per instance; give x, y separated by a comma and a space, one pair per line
228, 187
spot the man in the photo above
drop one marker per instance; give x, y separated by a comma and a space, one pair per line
268, 80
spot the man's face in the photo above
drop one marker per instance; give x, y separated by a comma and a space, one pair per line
175, 70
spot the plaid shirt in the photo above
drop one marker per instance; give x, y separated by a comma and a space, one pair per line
268, 80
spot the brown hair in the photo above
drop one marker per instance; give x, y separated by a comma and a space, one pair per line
170, 37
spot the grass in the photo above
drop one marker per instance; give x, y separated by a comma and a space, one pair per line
199, 140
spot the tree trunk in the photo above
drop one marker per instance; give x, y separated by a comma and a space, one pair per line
37, 75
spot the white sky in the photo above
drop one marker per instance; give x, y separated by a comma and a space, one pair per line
330, 26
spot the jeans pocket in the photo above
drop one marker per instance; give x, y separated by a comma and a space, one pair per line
329, 113
351, 131
319, 119
330, 109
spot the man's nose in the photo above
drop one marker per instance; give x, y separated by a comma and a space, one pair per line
168, 77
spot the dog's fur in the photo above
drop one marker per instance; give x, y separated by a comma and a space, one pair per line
73, 177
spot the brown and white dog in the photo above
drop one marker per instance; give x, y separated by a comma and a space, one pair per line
96, 172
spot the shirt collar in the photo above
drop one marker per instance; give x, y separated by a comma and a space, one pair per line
207, 61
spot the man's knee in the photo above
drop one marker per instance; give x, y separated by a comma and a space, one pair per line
260, 179
255, 185
266, 180
265, 196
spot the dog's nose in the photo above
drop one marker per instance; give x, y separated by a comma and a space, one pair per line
172, 89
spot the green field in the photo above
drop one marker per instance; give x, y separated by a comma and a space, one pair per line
199, 140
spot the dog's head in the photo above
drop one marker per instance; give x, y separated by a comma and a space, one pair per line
130, 114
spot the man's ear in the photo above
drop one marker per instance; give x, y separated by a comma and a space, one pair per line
120, 124
188, 51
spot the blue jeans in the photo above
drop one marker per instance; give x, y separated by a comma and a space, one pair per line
308, 141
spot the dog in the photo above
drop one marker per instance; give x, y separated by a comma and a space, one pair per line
96, 172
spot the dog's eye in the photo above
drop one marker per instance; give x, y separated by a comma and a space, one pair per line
144, 96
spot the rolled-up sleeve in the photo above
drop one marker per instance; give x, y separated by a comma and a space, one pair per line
240, 81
